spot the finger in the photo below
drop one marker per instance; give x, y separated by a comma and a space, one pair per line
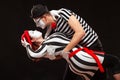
22, 41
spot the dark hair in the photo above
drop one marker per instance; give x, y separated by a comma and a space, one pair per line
38, 10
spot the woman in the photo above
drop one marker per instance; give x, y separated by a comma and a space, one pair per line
82, 61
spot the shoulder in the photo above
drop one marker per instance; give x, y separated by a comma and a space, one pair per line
61, 11
65, 13
65, 10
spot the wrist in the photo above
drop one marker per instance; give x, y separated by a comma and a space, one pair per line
65, 54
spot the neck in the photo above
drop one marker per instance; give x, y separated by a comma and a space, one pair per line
52, 19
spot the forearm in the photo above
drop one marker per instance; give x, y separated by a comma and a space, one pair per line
78, 35
74, 41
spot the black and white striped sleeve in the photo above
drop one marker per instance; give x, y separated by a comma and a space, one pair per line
40, 52
65, 13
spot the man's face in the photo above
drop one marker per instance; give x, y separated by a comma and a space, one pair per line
40, 22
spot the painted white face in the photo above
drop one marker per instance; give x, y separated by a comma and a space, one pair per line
39, 23
34, 34
36, 38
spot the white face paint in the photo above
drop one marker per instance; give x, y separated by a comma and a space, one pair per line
34, 34
39, 23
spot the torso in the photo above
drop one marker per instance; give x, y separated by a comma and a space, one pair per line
63, 27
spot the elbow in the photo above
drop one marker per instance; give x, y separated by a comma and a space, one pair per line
81, 33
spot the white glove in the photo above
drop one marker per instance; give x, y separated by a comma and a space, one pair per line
51, 52
65, 55
24, 43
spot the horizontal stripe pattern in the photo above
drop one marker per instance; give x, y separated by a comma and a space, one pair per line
81, 63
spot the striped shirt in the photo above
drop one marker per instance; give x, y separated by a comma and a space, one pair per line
63, 27
81, 63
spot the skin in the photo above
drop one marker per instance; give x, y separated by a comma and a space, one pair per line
117, 76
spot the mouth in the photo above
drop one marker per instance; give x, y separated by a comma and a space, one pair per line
36, 43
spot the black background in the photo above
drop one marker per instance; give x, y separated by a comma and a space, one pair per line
102, 15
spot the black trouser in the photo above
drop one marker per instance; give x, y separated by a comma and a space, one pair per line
112, 64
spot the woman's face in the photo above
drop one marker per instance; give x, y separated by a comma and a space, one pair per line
37, 41
36, 38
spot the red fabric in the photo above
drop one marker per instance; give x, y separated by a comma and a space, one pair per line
26, 36
74, 52
99, 52
53, 25
90, 52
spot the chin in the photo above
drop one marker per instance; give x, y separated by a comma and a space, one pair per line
35, 46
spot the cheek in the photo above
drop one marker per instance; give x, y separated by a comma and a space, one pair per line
32, 40
35, 46
39, 40
45, 21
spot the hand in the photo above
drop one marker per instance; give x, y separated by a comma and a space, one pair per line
51, 52
65, 55
24, 42
51, 56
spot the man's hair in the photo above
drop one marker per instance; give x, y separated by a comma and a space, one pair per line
38, 10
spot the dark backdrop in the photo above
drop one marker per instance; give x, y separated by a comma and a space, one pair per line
102, 15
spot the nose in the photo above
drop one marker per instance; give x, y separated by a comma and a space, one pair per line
33, 40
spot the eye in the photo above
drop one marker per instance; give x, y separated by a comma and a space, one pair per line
37, 20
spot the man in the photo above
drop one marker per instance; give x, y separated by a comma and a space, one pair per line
82, 61
68, 23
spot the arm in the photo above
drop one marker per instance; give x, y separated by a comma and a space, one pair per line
78, 35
